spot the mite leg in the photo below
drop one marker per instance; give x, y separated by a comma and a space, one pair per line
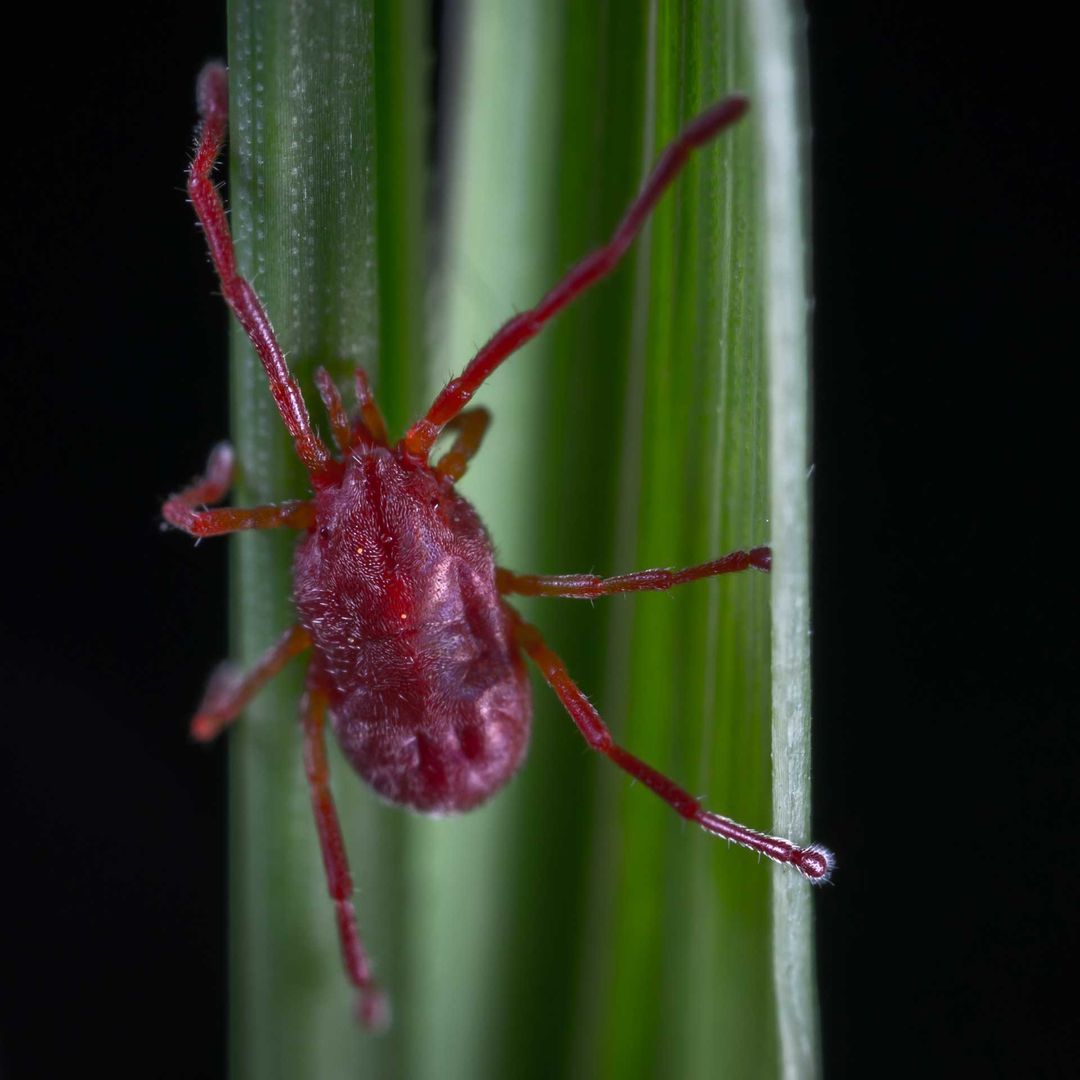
814, 862
369, 428
287, 515
230, 690
214, 484
213, 98
370, 419
591, 587
335, 410
472, 425
179, 510
372, 1006
521, 328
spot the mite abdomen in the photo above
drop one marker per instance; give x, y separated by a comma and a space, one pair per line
442, 741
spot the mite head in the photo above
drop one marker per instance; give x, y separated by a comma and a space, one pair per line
380, 537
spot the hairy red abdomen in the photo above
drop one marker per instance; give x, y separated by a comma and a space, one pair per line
395, 583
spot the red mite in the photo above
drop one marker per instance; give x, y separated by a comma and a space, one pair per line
414, 653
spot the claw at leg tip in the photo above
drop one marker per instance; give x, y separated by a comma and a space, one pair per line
373, 1010
815, 863
202, 729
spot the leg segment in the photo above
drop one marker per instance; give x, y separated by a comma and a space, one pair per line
214, 485
213, 96
230, 691
287, 515
369, 428
372, 1006
370, 419
472, 425
335, 410
814, 862
521, 328
591, 587
179, 510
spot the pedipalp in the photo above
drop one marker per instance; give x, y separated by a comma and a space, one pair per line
472, 425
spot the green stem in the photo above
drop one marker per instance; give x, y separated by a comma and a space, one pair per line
311, 234
779, 44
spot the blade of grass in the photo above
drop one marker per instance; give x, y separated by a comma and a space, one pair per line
690, 944
779, 45
303, 184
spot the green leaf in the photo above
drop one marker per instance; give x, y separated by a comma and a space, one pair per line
329, 230
779, 46
574, 925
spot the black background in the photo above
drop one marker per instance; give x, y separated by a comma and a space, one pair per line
945, 278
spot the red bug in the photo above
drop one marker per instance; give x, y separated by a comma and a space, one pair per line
415, 654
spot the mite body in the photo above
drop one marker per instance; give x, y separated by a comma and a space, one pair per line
411, 644
413, 650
